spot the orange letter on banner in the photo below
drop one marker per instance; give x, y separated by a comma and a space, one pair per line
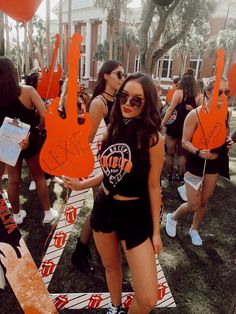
66, 150
211, 131
20, 10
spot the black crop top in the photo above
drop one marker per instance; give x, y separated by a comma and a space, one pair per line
19, 111
125, 172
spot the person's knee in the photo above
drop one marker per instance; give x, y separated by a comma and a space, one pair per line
147, 301
112, 266
193, 205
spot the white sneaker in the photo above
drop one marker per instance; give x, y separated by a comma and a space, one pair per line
18, 218
57, 180
116, 310
5, 196
50, 215
170, 225
195, 237
32, 186
182, 192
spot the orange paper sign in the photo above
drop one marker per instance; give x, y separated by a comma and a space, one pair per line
211, 131
66, 150
20, 10
48, 87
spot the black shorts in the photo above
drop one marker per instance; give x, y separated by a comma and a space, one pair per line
195, 165
131, 219
35, 144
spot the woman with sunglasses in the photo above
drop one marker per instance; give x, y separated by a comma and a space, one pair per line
110, 78
206, 176
127, 205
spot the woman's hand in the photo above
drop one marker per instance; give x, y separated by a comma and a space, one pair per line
189, 107
229, 142
24, 143
157, 243
72, 183
205, 153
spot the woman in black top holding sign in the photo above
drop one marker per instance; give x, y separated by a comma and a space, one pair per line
203, 166
20, 101
127, 206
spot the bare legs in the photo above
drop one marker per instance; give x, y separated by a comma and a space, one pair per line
197, 200
170, 154
14, 180
108, 247
40, 181
141, 261
174, 145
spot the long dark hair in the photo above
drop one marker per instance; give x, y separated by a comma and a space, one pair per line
189, 86
150, 120
106, 68
9, 82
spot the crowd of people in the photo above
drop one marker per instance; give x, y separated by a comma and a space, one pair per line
142, 134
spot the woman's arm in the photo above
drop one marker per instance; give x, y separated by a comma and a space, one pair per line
77, 184
97, 111
38, 104
176, 99
190, 125
156, 164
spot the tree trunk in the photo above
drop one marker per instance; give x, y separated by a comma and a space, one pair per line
7, 36
110, 41
69, 20
18, 49
31, 52
48, 32
26, 54
2, 46
60, 33
127, 60
117, 10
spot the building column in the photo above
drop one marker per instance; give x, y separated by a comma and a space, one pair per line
88, 49
104, 31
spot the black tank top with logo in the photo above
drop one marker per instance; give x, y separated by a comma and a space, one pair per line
174, 126
124, 168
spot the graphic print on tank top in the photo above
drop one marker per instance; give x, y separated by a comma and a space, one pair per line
115, 162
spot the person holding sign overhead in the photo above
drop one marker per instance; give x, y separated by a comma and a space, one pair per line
20, 101
203, 165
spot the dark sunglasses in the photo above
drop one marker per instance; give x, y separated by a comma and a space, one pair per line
120, 75
133, 101
226, 92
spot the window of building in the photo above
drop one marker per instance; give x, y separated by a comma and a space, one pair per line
83, 33
99, 33
82, 66
166, 67
196, 64
137, 64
